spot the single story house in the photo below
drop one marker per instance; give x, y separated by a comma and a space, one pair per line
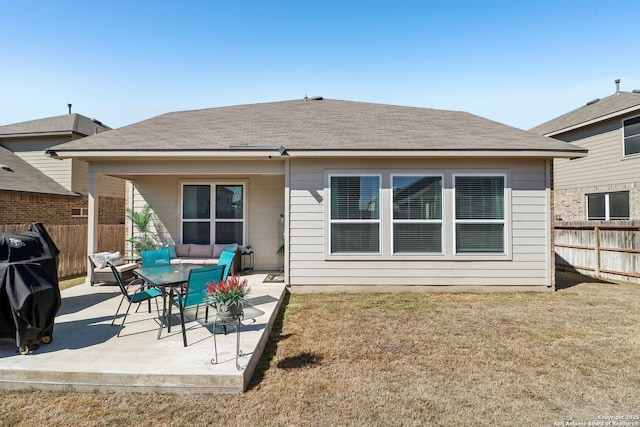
358, 193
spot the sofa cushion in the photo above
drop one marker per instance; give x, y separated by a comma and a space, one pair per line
194, 260
200, 251
217, 250
120, 268
182, 250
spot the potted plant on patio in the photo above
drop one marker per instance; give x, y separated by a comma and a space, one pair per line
228, 295
142, 221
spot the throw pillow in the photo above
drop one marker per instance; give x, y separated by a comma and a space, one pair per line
172, 251
233, 247
99, 259
115, 258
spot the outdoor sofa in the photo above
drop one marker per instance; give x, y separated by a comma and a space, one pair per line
178, 254
101, 272
202, 254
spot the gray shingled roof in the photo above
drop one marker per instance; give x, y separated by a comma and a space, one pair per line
603, 107
23, 177
66, 124
316, 125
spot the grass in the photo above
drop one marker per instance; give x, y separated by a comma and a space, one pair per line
407, 359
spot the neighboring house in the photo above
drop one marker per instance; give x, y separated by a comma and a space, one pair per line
28, 141
605, 185
370, 194
27, 195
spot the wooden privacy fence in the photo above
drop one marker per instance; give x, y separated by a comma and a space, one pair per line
72, 242
609, 251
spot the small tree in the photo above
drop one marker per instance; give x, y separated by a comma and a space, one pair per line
142, 221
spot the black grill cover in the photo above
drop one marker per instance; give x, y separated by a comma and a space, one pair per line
29, 290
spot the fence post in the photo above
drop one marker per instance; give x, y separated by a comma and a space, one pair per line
596, 230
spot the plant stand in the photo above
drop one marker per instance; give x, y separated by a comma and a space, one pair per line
247, 261
224, 321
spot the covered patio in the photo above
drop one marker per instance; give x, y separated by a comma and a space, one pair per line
86, 354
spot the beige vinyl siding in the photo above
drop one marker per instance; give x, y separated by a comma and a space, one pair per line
605, 163
527, 264
32, 151
265, 199
72, 174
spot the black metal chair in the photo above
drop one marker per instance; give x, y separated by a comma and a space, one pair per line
139, 295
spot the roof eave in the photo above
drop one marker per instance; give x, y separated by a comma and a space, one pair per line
270, 154
32, 134
594, 121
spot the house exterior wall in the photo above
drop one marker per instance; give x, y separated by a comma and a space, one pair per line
16, 208
265, 203
72, 174
32, 151
570, 203
604, 169
528, 262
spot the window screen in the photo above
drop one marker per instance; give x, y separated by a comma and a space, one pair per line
480, 214
417, 214
608, 206
632, 136
355, 214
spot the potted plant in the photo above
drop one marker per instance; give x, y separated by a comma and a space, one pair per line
142, 221
228, 295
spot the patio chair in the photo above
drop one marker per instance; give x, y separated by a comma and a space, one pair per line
226, 259
140, 295
196, 292
155, 257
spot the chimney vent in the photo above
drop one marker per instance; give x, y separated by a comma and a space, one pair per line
69, 106
617, 85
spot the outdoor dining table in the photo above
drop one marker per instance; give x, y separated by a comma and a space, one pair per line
168, 278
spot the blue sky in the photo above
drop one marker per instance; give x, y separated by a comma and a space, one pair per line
519, 63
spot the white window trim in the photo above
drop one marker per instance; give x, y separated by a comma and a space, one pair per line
440, 221
506, 221
607, 206
212, 219
379, 221
624, 153
84, 212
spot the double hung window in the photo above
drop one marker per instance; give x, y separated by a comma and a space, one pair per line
213, 213
631, 136
417, 214
414, 215
608, 206
480, 214
355, 214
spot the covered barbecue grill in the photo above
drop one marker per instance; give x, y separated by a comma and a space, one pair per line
29, 290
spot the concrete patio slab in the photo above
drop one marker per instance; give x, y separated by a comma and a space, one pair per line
86, 354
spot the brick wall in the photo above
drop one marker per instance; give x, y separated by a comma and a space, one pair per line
571, 205
50, 209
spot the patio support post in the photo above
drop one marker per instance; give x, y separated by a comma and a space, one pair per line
287, 208
549, 195
92, 220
